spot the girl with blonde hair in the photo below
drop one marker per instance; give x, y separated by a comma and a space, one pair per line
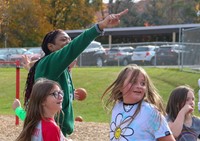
137, 113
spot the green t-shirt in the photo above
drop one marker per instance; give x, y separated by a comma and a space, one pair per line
54, 67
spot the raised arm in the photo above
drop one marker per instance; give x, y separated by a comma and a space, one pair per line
111, 20
177, 125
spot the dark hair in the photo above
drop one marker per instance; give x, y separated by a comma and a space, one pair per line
177, 100
49, 38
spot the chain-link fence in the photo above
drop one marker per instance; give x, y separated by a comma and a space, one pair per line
191, 50
181, 55
184, 54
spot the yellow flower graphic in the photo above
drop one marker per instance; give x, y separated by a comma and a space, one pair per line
118, 131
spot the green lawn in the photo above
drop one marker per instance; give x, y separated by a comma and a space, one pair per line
95, 80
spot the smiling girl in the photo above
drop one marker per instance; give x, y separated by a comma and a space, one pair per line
137, 113
45, 103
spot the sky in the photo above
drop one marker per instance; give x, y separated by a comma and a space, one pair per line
106, 1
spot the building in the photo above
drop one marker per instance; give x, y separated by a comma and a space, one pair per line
168, 33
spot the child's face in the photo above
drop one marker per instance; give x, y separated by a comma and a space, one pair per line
53, 102
133, 93
190, 99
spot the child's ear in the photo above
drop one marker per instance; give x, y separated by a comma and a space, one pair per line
50, 47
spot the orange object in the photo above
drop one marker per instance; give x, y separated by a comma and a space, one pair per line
82, 93
79, 119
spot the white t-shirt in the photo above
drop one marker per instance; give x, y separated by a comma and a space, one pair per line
148, 125
37, 136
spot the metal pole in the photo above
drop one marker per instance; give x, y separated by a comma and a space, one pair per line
17, 86
5, 41
181, 40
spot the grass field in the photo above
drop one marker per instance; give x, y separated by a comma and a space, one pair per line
95, 80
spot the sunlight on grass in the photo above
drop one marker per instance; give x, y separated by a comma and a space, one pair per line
95, 81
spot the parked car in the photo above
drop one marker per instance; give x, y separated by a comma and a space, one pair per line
7, 54
119, 55
10, 54
93, 55
34, 53
144, 54
36, 50
170, 54
4, 54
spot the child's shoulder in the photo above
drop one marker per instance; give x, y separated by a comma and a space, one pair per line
49, 123
196, 118
196, 122
148, 106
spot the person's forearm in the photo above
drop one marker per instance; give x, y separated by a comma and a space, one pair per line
177, 126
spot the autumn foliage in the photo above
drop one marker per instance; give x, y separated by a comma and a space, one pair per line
25, 22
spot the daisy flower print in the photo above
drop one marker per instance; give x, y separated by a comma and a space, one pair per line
119, 130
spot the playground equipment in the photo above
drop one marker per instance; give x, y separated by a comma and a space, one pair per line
17, 64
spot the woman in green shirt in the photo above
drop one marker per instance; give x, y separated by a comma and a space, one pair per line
60, 52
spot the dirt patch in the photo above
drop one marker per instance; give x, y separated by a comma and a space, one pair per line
84, 131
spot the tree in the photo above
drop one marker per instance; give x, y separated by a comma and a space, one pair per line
25, 22
128, 19
164, 12
180, 12
72, 14
4, 4
154, 12
25, 27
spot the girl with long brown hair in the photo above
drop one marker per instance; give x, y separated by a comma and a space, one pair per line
137, 109
45, 102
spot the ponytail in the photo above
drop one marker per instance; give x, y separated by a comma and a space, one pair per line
49, 38
29, 83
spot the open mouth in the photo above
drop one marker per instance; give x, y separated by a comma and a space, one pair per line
60, 102
137, 92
